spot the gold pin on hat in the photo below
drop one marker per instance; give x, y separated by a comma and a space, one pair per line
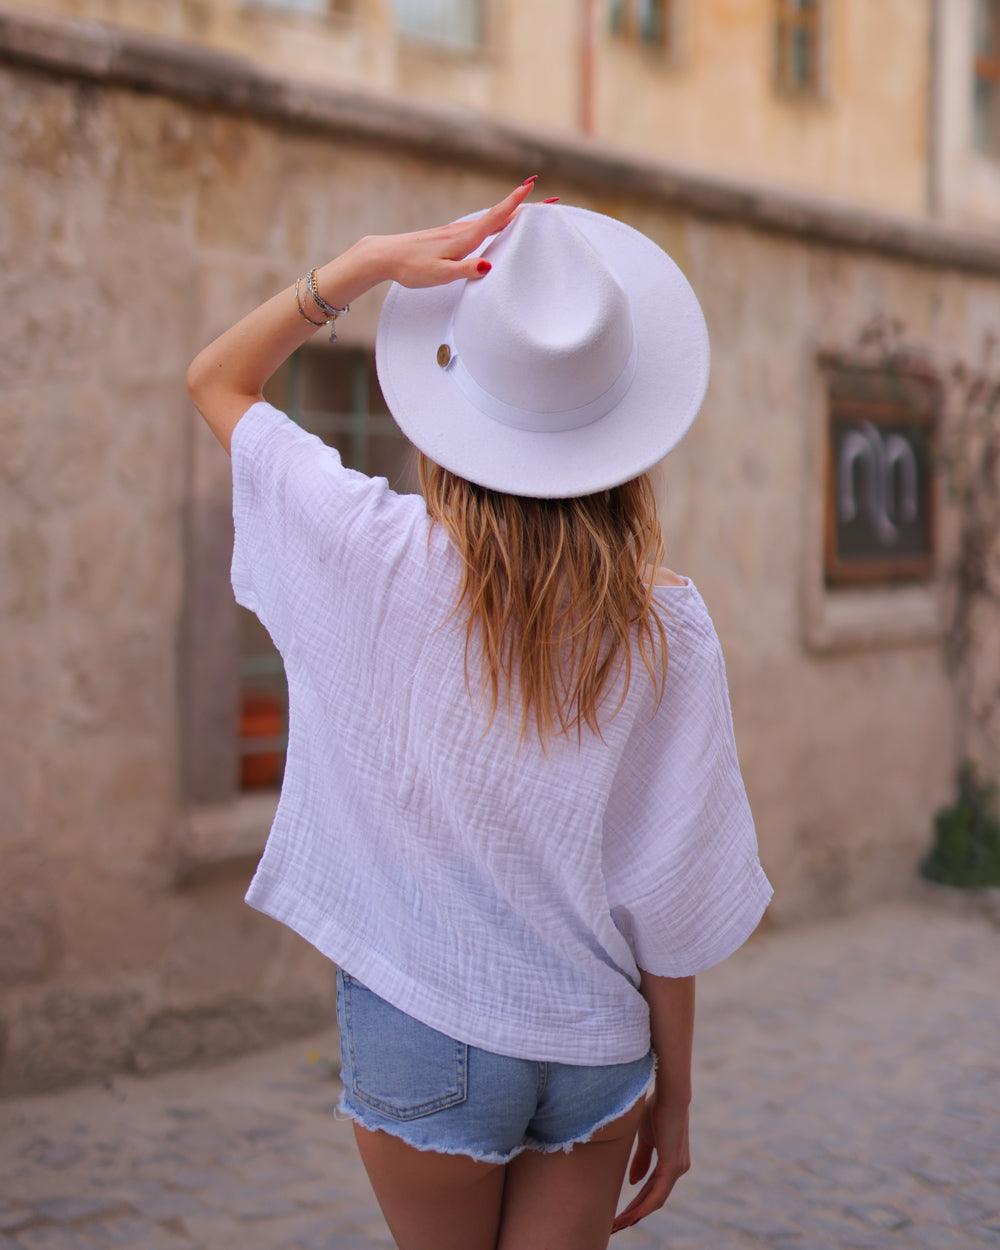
443, 354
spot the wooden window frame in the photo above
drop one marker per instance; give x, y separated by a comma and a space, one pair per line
986, 70
219, 822
336, 9
352, 432
788, 19
429, 43
630, 29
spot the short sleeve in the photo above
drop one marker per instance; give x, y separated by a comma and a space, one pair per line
684, 880
307, 530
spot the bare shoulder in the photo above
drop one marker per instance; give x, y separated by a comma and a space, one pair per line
667, 577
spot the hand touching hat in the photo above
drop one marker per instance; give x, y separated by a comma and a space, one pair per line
580, 362
422, 258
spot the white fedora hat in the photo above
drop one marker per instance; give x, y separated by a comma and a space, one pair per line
579, 361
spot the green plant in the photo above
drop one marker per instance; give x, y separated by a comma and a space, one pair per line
966, 849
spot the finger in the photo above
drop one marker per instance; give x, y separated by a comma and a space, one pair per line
474, 267
495, 218
640, 1163
652, 1196
634, 1215
509, 204
508, 221
459, 242
637, 1204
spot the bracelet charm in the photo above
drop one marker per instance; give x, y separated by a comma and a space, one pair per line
331, 310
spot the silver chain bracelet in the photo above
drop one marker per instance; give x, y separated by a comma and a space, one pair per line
330, 311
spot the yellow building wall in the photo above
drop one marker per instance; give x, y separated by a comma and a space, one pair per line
717, 109
712, 108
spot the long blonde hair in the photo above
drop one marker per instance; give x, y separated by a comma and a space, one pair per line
544, 574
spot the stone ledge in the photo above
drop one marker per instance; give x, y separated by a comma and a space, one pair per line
222, 833
102, 52
849, 619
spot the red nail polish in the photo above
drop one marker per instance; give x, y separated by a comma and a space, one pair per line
527, 181
484, 266
553, 199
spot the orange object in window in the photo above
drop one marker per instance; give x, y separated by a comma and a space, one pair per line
262, 722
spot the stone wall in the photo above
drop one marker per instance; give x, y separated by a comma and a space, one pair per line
153, 194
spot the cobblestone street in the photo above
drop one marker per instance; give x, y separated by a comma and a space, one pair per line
846, 1097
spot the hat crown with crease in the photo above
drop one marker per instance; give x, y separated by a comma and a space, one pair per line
576, 363
550, 328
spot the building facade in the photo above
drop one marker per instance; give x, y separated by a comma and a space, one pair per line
155, 191
893, 106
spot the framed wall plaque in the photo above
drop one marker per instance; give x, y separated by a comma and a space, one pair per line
880, 460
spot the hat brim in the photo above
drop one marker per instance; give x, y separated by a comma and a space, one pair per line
666, 394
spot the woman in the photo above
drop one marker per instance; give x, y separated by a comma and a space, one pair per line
517, 916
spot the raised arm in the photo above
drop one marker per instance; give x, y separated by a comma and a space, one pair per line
228, 375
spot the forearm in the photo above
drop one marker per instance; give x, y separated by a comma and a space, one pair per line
671, 1022
243, 357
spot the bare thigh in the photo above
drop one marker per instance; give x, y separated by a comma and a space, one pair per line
567, 1201
432, 1201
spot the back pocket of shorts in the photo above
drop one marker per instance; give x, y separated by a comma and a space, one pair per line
400, 1066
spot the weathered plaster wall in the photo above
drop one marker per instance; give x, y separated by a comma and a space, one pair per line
137, 224
711, 107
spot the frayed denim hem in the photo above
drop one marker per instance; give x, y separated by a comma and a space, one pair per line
342, 1111
567, 1146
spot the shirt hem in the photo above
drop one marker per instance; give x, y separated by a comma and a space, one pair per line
339, 944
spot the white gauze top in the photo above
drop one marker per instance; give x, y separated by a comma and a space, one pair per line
507, 899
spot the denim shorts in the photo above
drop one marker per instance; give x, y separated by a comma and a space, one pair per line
436, 1093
